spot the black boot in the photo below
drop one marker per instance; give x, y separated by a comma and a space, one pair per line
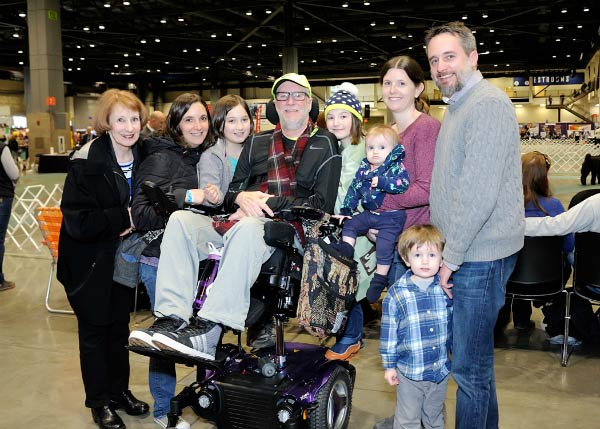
131, 405
106, 418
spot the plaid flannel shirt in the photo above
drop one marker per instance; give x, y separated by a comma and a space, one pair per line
416, 330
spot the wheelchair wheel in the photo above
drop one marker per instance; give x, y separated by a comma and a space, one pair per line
334, 402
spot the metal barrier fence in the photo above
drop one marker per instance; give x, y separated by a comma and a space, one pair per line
566, 154
23, 231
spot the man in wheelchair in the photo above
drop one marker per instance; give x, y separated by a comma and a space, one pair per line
295, 164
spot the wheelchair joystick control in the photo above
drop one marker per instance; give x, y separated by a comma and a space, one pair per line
207, 277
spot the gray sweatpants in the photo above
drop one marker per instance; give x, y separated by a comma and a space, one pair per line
185, 244
420, 402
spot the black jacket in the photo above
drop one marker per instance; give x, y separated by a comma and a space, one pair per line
170, 167
317, 176
94, 205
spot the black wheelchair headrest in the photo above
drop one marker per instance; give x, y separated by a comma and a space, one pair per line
273, 117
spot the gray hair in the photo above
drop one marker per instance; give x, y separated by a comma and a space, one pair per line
456, 28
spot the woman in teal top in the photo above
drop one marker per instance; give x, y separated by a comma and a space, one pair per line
232, 124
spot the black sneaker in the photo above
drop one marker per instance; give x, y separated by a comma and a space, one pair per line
143, 337
261, 335
199, 339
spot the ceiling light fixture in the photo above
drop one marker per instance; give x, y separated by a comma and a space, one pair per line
394, 37
163, 20
585, 9
319, 41
306, 28
126, 3
579, 26
492, 30
264, 45
22, 14
484, 15
560, 27
125, 54
249, 13
86, 28
229, 34
345, 4
564, 10
213, 35
392, 22
334, 40
180, 19
143, 41
107, 4
101, 27
465, 17
16, 34
21, 63
366, 3
157, 40
268, 11
373, 24
92, 45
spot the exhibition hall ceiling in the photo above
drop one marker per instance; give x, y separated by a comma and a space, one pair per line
221, 43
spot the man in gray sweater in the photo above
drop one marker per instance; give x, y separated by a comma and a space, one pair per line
476, 200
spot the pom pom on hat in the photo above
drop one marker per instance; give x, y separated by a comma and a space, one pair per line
345, 98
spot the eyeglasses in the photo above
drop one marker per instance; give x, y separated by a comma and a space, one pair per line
284, 96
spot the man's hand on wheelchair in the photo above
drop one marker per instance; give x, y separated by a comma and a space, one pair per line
252, 203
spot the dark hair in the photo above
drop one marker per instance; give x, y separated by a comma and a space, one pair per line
414, 72
221, 109
458, 29
535, 166
178, 109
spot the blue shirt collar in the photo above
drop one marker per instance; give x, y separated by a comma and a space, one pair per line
471, 82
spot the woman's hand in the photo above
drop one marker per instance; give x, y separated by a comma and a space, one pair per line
254, 203
131, 225
198, 196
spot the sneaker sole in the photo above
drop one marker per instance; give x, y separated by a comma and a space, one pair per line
141, 339
165, 343
346, 356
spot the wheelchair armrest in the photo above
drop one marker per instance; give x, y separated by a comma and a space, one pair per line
161, 202
306, 212
279, 234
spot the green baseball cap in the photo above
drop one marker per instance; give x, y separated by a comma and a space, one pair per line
300, 79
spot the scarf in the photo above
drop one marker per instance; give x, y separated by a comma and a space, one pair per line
283, 163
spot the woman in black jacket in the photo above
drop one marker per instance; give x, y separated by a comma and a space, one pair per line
96, 215
170, 163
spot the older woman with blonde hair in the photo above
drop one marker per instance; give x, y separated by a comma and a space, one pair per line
96, 215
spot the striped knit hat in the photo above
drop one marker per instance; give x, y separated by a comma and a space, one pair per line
345, 97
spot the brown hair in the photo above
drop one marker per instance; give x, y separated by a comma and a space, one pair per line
107, 102
385, 131
458, 29
222, 108
418, 235
535, 166
176, 113
414, 72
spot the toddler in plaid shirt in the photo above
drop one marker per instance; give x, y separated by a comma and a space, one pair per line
416, 333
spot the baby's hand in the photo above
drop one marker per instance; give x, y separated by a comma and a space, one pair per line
374, 182
391, 376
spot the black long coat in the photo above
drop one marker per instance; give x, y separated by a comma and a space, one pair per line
94, 205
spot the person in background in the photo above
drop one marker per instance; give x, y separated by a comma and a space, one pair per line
156, 124
13, 145
87, 137
476, 201
416, 334
171, 163
539, 202
9, 174
96, 215
582, 217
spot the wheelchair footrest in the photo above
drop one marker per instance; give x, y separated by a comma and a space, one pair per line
223, 353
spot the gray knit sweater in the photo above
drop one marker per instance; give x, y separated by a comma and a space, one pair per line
476, 197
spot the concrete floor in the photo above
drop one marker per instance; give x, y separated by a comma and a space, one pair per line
40, 382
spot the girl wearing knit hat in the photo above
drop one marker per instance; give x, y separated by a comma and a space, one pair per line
343, 115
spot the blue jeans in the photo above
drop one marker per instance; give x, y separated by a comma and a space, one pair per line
479, 290
5, 209
161, 374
